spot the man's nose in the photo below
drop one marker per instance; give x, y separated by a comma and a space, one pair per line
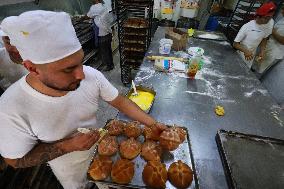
79, 74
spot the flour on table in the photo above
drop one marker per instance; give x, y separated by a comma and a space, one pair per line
251, 93
209, 36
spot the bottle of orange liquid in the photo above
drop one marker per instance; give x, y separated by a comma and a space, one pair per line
192, 70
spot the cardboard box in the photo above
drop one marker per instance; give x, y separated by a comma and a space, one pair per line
179, 38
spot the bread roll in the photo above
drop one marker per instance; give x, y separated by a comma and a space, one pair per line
169, 139
151, 151
132, 129
122, 171
100, 168
115, 127
130, 148
108, 146
155, 174
180, 174
148, 134
181, 132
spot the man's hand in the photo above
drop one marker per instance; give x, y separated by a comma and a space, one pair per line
248, 55
259, 58
157, 128
80, 142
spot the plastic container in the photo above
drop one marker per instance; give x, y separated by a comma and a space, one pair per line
162, 64
192, 70
197, 58
188, 13
165, 46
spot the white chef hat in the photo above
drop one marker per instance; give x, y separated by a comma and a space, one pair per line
2, 33
42, 36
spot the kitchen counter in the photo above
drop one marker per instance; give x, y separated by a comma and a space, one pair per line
224, 80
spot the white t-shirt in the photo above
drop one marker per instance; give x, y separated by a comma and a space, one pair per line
28, 116
9, 71
251, 34
102, 18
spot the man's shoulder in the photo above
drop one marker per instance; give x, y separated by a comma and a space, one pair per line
250, 24
92, 74
12, 96
247, 26
90, 71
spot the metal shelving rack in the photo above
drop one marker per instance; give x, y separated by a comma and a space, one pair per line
84, 32
133, 41
243, 13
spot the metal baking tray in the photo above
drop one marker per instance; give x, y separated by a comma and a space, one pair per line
183, 153
250, 161
146, 89
200, 35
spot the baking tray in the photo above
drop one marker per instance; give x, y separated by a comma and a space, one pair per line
146, 89
250, 161
183, 153
206, 35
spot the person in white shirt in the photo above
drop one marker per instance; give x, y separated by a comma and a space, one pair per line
11, 69
40, 113
255, 34
275, 48
103, 33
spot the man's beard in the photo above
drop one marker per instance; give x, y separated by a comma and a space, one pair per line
69, 88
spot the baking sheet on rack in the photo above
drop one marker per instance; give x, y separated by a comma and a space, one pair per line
182, 153
252, 162
210, 35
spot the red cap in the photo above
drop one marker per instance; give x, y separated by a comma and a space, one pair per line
266, 9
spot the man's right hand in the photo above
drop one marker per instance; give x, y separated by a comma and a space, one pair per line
80, 141
248, 55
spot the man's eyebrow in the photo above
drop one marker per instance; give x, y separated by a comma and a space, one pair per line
71, 67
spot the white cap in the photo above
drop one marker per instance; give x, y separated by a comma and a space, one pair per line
2, 33
42, 36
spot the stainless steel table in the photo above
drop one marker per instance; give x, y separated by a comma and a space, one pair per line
224, 80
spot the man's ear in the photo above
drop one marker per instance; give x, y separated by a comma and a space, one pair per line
31, 67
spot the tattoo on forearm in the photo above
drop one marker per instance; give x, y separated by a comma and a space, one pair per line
42, 153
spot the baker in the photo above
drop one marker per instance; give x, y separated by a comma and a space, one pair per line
103, 33
275, 47
11, 68
255, 34
41, 112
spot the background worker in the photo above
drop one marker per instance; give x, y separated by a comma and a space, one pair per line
103, 33
255, 34
11, 68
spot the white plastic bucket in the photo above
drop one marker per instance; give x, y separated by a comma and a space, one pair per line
165, 46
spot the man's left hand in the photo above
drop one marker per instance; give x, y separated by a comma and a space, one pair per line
260, 57
158, 128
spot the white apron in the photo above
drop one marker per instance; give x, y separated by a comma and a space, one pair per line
71, 169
